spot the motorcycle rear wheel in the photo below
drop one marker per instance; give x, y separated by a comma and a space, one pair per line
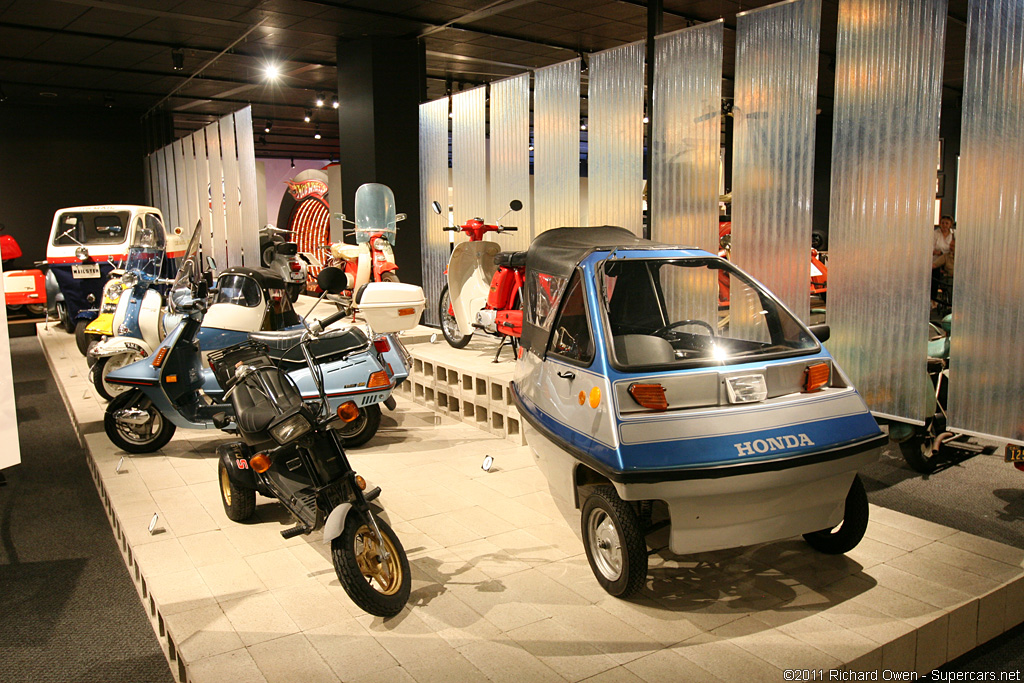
82, 338
65, 320
449, 326
360, 430
159, 430
357, 562
390, 276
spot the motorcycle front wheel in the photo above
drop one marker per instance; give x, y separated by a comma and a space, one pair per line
360, 430
104, 366
137, 438
449, 325
379, 586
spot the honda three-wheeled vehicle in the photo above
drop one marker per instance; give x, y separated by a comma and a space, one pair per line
86, 243
648, 406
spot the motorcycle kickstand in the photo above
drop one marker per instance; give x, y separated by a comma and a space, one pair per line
500, 347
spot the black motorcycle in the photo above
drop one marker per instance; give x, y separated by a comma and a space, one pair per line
293, 452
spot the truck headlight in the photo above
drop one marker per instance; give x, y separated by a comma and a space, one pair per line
290, 428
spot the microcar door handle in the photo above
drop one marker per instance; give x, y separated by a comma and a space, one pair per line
567, 375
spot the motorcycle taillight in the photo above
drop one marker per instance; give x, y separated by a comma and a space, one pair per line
382, 345
295, 266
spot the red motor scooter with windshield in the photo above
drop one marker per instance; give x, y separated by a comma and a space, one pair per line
484, 289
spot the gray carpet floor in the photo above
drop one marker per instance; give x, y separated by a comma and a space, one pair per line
68, 608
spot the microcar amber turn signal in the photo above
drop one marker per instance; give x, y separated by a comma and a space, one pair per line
816, 377
650, 396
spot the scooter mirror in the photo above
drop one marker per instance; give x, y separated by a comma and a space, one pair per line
400, 217
436, 206
332, 280
515, 205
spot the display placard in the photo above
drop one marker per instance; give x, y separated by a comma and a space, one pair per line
10, 454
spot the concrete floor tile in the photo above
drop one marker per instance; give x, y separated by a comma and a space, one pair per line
291, 658
962, 630
986, 548
667, 665
829, 637
612, 636
726, 661
277, 568
202, 632
447, 616
917, 587
932, 639
205, 548
163, 557
573, 658
870, 662
914, 525
311, 605
236, 666
444, 531
258, 617
900, 654
860, 617
943, 574
991, 615
503, 660
968, 561
395, 674
180, 591
897, 538
350, 654
231, 579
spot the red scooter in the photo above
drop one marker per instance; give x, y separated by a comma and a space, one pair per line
484, 286
24, 290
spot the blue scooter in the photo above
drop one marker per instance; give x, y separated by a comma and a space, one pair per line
171, 388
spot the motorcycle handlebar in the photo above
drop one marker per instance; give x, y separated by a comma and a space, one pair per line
451, 228
331, 319
509, 228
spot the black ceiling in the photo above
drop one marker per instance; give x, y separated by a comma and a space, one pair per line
119, 53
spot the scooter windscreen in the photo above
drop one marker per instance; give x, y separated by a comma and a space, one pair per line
375, 212
188, 273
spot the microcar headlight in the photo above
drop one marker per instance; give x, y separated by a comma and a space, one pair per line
82, 254
290, 428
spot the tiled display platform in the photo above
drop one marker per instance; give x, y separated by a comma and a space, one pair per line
501, 587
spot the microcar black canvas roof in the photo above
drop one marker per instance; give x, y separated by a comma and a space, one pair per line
558, 251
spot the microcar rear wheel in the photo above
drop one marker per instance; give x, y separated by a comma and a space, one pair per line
360, 430
65, 320
239, 503
844, 537
614, 542
142, 432
378, 584
36, 310
449, 325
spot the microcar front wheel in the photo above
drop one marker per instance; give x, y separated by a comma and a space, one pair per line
844, 537
614, 542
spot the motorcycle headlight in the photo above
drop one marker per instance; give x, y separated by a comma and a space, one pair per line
129, 280
290, 428
112, 290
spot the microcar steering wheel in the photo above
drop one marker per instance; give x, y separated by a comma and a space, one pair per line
682, 323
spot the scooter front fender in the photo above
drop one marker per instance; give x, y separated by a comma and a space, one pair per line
118, 345
235, 458
335, 523
470, 270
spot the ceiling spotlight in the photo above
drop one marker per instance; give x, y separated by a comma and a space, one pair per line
272, 71
178, 59
646, 120
316, 133
293, 162
268, 126
319, 99
451, 115
108, 101
583, 125
531, 148
3, 95
309, 116
334, 102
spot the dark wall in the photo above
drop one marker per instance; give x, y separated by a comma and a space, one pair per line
53, 157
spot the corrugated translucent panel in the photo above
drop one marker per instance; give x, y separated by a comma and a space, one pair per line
161, 183
191, 185
181, 195
202, 192
884, 141
149, 180
232, 210
556, 146
986, 369
469, 155
686, 138
215, 188
510, 158
774, 106
248, 196
433, 187
615, 150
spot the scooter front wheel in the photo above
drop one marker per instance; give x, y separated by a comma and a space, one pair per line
373, 570
360, 430
449, 325
106, 365
134, 424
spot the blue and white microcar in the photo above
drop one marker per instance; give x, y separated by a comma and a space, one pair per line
647, 404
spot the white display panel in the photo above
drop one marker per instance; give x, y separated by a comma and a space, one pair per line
884, 141
556, 143
774, 104
191, 186
986, 375
469, 155
615, 155
10, 454
686, 139
248, 196
202, 196
433, 187
181, 196
510, 158
232, 198
215, 189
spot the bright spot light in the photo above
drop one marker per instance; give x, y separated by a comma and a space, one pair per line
273, 71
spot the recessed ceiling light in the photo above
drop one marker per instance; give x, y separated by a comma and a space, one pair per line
272, 71
319, 99
47, 94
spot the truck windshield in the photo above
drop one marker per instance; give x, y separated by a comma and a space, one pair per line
666, 312
90, 227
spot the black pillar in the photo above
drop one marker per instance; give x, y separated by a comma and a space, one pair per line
379, 86
655, 19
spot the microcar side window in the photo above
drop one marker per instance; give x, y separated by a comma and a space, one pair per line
154, 223
571, 338
234, 288
91, 228
546, 291
671, 312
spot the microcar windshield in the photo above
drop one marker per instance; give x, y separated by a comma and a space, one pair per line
238, 289
665, 312
76, 228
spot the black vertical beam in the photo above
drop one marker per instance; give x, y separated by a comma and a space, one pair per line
380, 84
655, 22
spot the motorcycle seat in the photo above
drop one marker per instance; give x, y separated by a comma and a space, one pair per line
510, 259
347, 252
282, 346
254, 411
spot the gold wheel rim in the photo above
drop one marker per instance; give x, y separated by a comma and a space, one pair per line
370, 565
225, 486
